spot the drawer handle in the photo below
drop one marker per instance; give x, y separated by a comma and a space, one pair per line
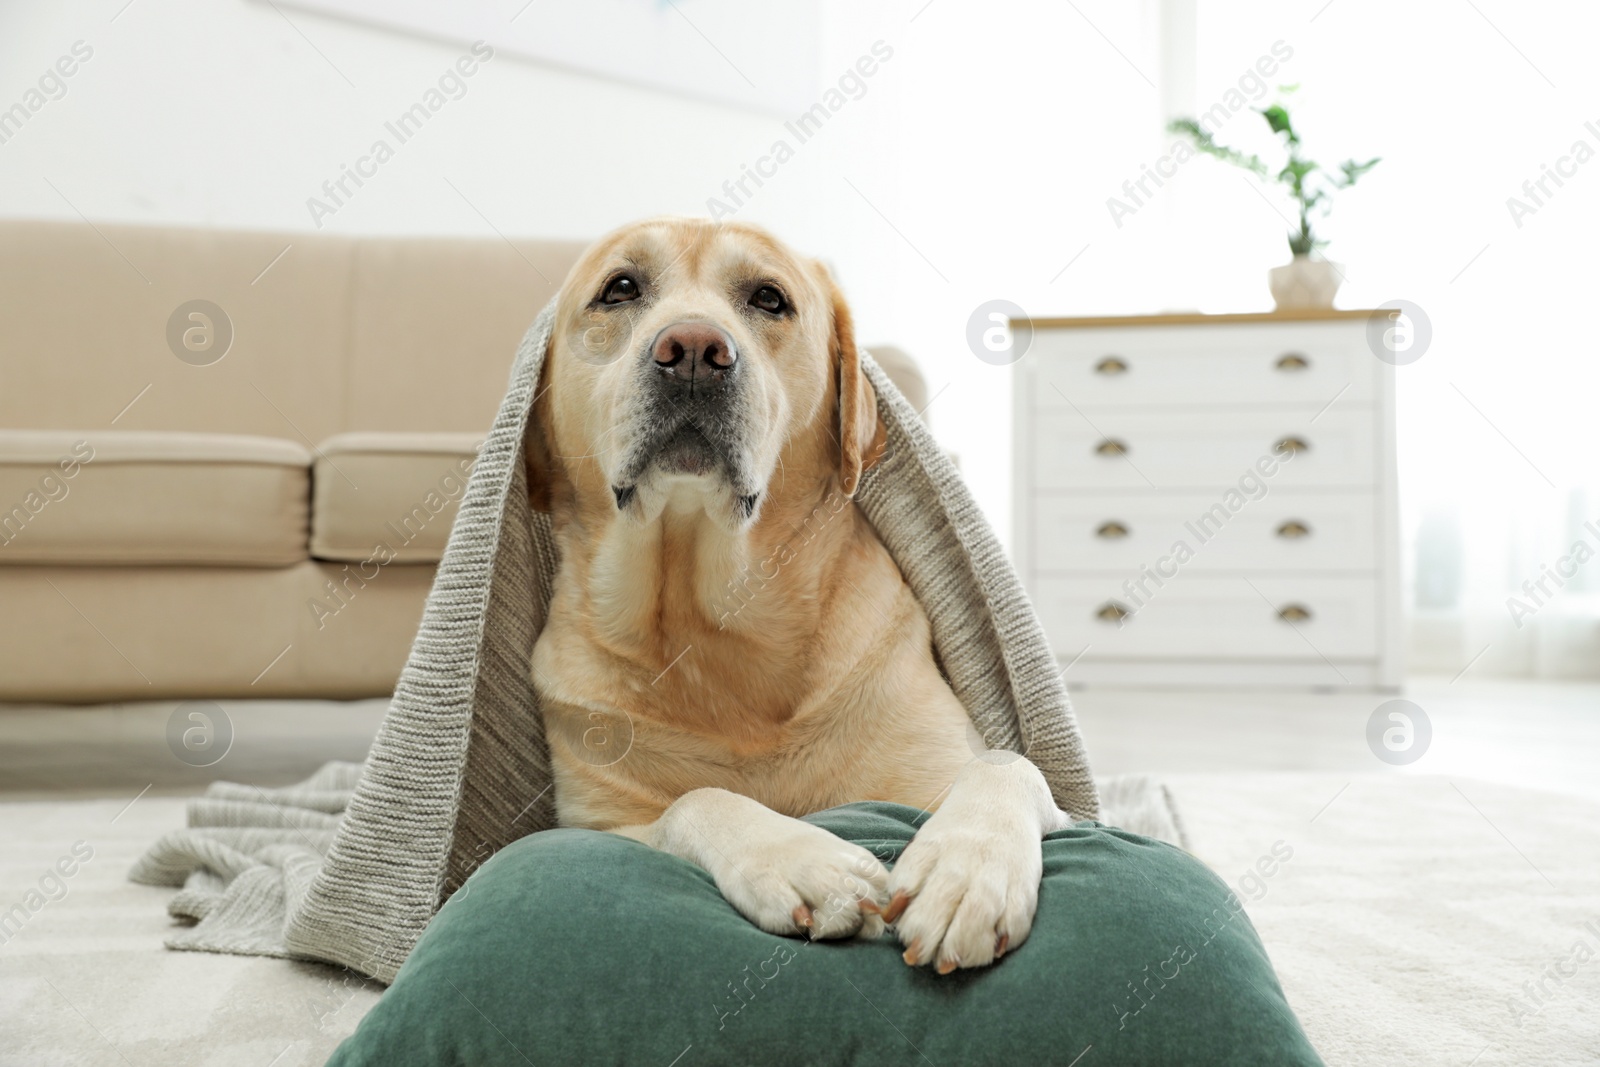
1111, 611
1292, 444
1292, 361
1111, 530
1294, 528
1111, 447
1111, 365
1294, 613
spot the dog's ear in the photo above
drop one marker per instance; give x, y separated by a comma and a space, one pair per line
535, 449
862, 433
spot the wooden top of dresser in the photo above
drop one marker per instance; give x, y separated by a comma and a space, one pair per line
1198, 319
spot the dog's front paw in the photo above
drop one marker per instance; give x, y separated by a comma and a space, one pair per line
800, 879
965, 890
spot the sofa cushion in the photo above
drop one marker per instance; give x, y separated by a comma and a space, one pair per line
388, 497
95, 319
132, 497
435, 321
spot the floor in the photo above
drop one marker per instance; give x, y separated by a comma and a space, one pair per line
1538, 735
1534, 734
1462, 864
1406, 923
115, 749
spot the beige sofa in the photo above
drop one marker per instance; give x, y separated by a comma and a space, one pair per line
246, 496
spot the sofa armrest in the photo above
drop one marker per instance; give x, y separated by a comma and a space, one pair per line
904, 373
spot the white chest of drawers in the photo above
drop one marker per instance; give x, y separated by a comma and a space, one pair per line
1210, 499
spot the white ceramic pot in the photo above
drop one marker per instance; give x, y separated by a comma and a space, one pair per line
1304, 282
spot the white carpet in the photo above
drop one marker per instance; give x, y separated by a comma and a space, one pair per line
1404, 929
1406, 923
87, 982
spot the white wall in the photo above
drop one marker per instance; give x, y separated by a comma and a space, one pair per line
977, 165
988, 141
1465, 103
223, 113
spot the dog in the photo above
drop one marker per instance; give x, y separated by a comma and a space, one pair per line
728, 644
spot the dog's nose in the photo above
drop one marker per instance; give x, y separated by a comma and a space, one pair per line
694, 352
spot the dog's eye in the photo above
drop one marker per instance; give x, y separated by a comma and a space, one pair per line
622, 289
768, 299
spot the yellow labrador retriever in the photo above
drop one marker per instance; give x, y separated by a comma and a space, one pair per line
721, 603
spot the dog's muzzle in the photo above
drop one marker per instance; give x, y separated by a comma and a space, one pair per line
689, 415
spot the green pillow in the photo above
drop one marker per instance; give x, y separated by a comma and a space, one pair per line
576, 947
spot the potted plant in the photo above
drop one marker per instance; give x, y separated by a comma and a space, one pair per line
1307, 280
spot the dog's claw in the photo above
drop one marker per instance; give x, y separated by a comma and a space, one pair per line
896, 906
870, 906
946, 966
802, 917
1000, 944
911, 952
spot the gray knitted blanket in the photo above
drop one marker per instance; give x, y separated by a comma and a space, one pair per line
349, 866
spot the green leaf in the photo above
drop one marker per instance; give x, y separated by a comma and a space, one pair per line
1207, 145
1296, 169
1353, 170
1278, 119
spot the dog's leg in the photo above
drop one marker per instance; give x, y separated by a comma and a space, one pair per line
965, 889
784, 875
